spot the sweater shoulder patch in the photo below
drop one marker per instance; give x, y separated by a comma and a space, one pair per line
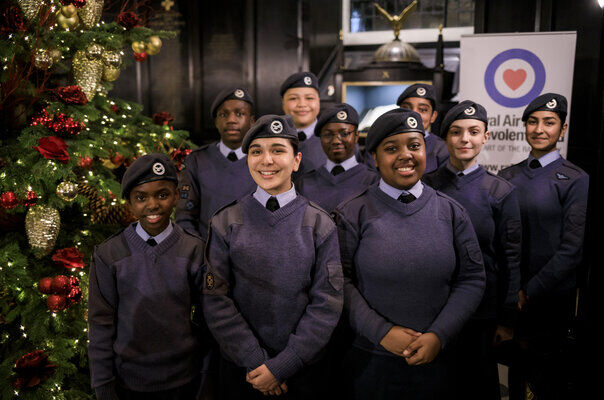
226, 216
570, 170
496, 186
114, 248
318, 219
445, 204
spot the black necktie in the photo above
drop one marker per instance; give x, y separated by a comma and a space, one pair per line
406, 198
534, 164
272, 204
460, 174
301, 136
338, 169
151, 242
232, 156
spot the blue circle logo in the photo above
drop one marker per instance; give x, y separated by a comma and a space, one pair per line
514, 79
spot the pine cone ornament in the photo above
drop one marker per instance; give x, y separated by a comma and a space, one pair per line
42, 224
100, 213
90, 14
87, 73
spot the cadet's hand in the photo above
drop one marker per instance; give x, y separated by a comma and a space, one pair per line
398, 338
262, 379
522, 299
502, 333
423, 349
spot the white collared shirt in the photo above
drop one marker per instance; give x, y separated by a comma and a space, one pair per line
225, 150
282, 198
466, 171
395, 193
346, 164
309, 131
546, 159
158, 238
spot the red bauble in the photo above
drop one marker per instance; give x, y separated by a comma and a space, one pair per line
8, 200
45, 285
61, 285
56, 302
85, 162
115, 108
75, 295
118, 159
31, 199
140, 57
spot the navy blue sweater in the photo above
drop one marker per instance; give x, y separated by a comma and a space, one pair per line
313, 156
492, 204
139, 313
273, 292
209, 182
553, 203
436, 153
328, 191
416, 265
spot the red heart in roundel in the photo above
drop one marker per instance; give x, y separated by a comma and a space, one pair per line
514, 79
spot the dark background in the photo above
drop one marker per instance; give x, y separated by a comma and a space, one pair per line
258, 43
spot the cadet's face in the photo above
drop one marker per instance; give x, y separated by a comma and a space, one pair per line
401, 159
543, 129
423, 107
233, 120
271, 162
152, 203
465, 139
338, 140
302, 104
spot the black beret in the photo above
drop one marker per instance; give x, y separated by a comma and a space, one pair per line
547, 102
399, 120
300, 79
148, 168
237, 93
268, 126
340, 112
467, 109
422, 90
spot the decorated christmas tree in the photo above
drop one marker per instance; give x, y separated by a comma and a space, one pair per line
64, 145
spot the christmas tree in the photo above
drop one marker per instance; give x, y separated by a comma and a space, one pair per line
64, 145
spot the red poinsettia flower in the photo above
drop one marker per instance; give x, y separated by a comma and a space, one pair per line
128, 19
53, 148
162, 118
69, 257
32, 369
71, 95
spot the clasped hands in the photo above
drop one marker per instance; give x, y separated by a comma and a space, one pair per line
415, 347
263, 380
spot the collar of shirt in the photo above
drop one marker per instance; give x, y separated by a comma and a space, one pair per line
466, 171
225, 150
395, 193
309, 131
283, 198
546, 159
427, 133
347, 164
159, 238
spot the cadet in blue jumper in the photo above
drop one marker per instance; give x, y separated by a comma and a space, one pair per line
300, 99
342, 176
413, 271
492, 204
553, 201
143, 283
273, 288
216, 174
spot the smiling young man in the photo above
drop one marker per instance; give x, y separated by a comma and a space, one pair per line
492, 204
413, 271
142, 344
216, 174
342, 176
300, 99
553, 203
273, 287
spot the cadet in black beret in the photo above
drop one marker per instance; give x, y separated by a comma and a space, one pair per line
148, 168
547, 102
300, 99
421, 98
269, 126
202, 188
393, 122
467, 109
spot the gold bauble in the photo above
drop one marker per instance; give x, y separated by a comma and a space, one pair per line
30, 8
67, 23
56, 55
139, 47
42, 224
110, 73
87, 73
90, 14
67, 191
112, 59
69, 10
94, 51
42, 59
153, 45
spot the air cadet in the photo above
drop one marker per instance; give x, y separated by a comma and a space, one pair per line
217, 173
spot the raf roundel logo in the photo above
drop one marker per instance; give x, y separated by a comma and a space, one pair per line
551, 104
341, 115
412, 122
307, 80
239, 93
159, 169
470, 111
421, 91
276, 127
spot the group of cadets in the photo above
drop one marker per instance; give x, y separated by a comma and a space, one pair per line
323, 271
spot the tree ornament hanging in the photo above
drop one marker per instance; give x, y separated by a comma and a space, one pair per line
67, 22
32, 369
55, 55
110, 74
85, 162
30, 8
56, 302
94, 51
31, 198
87, 73
90, 13
139, 47
45, 285
153, 45
140, 57
42, 59
67, 191
112, 58
8, 200
61, 285
42, 224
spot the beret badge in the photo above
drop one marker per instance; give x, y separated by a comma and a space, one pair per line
159, 169
421, 91
551, 104
239, 93
307, 80
412, 122
276, 127
470, 111
341, 115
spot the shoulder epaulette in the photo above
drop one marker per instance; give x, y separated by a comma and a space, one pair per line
497, 186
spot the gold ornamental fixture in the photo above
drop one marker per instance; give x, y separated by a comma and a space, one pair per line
397, 50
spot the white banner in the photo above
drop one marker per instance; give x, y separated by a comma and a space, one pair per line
504, 73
